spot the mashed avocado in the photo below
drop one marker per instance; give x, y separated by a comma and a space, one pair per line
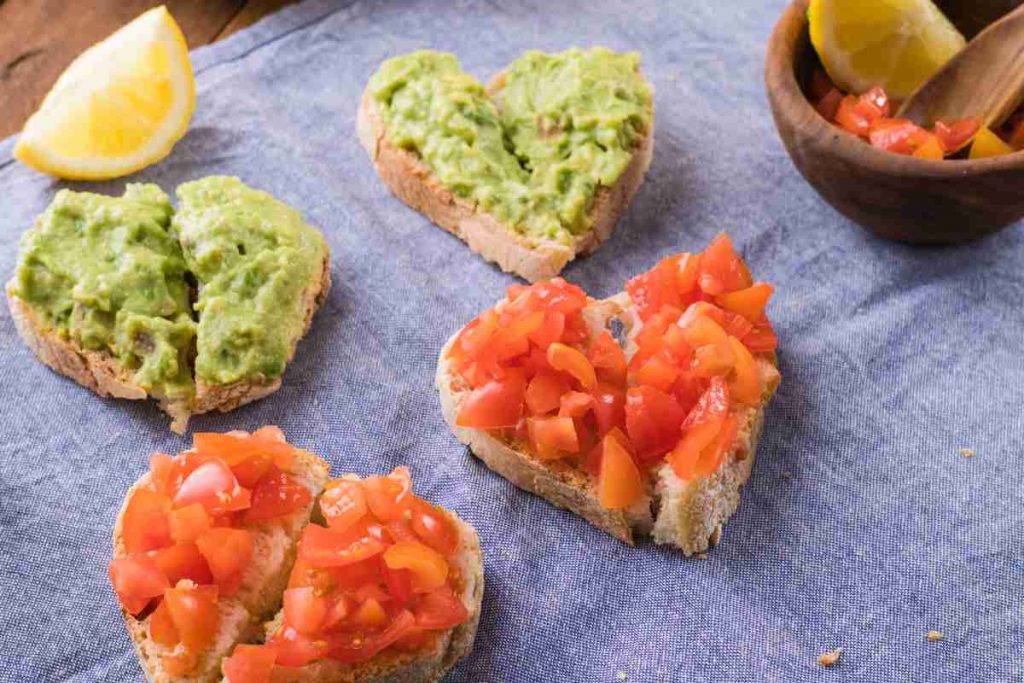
252, 256
561, 126
113, 274
105, 273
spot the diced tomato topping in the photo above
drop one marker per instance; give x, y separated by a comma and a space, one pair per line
552, 437
305, 610
745, 384
161, 626
686, 455
322, 547
572, 361
276, 495
440, 609
434, 527
575, 404
875, 103
652, 421
193, 610
954, 135
145, 525
343, 503
236, 448
398, 583
227, 552
137, 580
657, 288
292, 649
713, 404
749, 302
182, 561
544, 392
380, 579
619, 484
189, 522
497, 404
212, 485
607, 359
249, 664
761, 339
609, 409
389, 497
897, 135
429, 569
850, 118
721, 269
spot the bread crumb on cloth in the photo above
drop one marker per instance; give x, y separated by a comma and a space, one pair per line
967, 452
827, 659
621, 676
935, 635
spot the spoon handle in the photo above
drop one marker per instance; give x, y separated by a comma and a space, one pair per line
985, 79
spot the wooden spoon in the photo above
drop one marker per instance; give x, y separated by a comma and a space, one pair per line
985, 79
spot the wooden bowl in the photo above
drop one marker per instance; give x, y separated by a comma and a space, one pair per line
898, 197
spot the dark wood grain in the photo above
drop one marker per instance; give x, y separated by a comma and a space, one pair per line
971, 16
39, 38
898, 197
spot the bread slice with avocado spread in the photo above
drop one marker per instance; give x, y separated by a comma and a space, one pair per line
651, 435
530, 172
103, 293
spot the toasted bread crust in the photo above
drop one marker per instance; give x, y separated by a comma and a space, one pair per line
413, 182
410, 667
688, 515
102, 372
259, 596
96, 370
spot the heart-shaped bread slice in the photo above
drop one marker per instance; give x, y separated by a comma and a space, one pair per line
530, 172
210, 544
640, 413
104, 288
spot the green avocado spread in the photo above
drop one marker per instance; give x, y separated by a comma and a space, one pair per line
252, 256
116, 274
559, 127
105, 273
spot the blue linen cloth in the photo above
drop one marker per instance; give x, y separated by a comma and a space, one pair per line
863, 526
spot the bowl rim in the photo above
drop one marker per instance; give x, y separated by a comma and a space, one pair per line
790, 101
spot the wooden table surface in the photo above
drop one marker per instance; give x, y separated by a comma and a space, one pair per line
39, 38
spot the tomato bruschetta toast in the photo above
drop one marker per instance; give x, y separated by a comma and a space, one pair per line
204, 544
210, 544
649, 432
387, 588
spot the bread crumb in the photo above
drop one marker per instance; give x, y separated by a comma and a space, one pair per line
967, 452
827, 659
701, 556
786, 474
935, 635
621, 676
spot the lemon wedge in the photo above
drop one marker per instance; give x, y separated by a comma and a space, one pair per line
119, 107
897, 44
